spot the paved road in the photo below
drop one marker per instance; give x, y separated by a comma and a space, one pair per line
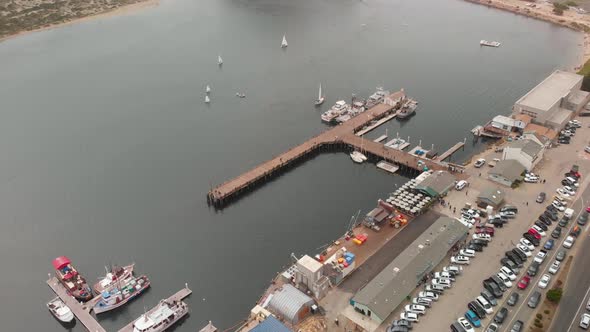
521, 311
577, 289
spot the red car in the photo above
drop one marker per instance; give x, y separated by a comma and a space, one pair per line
588, 209
535, 234
524, 282
485, 230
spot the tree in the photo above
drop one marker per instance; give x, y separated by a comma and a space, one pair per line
554, 295
559, 8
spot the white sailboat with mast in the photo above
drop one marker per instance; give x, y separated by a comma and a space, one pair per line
207, 89
357, 156
207, 100
219, 60
320, 99
284, 42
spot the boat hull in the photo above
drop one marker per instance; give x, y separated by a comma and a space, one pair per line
60, 311
127, 271
319, 101
100, 307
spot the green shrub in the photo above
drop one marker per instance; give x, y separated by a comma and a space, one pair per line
554, 295
571, 3
539, 316
547, 312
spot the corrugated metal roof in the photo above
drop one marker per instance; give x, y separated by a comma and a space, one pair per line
271, 324
509, 169
550, 91
437, 183
494, 195
287, 301
391, 286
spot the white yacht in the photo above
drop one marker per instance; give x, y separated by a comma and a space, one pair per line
284, 42
161, 318
489, 43
376, 97
339, 109
60, 310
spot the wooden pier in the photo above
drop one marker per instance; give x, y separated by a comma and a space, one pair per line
178, 296
339, 138
450, 151
376, 124
380, 139
387, 166
81, 311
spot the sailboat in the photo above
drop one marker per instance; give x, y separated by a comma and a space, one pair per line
219, 60
320, 99
357, 156
284, 43
207, 100
208, 89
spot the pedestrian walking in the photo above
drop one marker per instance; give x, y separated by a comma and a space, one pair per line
527, 203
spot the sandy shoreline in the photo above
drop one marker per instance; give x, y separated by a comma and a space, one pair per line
126, 9
544, 11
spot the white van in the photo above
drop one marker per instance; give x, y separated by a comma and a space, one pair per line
568, 213
461, 184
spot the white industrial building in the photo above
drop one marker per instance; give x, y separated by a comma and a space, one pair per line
527, 152
554, 101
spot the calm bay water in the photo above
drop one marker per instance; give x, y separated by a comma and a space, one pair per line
107, 149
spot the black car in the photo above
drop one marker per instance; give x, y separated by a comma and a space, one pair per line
551, 215
534, 299
456, 327
513, 260
582, 219
545, 219
533, 269
510, 208
510, 264
475, 247
513, 299
563, 222
498, 282
489, 297
477, 309
517, 327
541, 225
541, 197
520, 254
563, 141
402, 322
534, 241
491, 287
499, 223
480, 242
551, 208
514, 257
556, 232
501, 315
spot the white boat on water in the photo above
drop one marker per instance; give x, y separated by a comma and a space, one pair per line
339, 109
219, 60
161, 318
320, 99
358, 157
207, 100
207, 89
60, 310
284, 42
489, 43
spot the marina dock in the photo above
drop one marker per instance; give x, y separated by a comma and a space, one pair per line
81, 311
450, 151
339, 138
402, 146
387, 166
380, 139
376, 124
178, 296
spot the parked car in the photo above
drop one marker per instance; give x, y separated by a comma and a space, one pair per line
491, 286
515, 258
477, 309
429, 295
487, 307
524, 282
409, 316
499, 282
540, 256
556, 232
422, 301
545, 220
539, 230
541, 225
585, 321
511, 208
534, 233
485, 237
505, 261
436, 289
467, 252
544, 281
415, 308
472, 318
549, 244
489, 297
501, 315
465, 324
460, 185
459, 259
513, 299
479, 162
522, 255
445, 283
517, 327
453, 269
480, 242
569, 242
531, 238
508, 272
554, 267
533, 269
492, 328
456, 327
541, 197
560, 255
444, 275
527, 243
524, 249
534, 299
575, 232
475, 247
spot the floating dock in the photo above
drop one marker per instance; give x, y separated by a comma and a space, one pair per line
387, 166
376, 124
81, 311
419, 148
450, 151
178, 296
380, 139
339, 138
400, 147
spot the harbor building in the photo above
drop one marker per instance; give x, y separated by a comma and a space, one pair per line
554, 101
386, 291
507, 172
490, 196
270, 324
528, 152
436, 184
289, 304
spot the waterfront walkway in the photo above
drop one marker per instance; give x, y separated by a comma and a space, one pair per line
341, 137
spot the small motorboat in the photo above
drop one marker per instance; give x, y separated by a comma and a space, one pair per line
240, 95
489, 43
358, 157
284, 42
219, 60
60, 310
207, 100
207, 89
320, 99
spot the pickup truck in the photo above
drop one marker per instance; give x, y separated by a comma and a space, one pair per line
540, 257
